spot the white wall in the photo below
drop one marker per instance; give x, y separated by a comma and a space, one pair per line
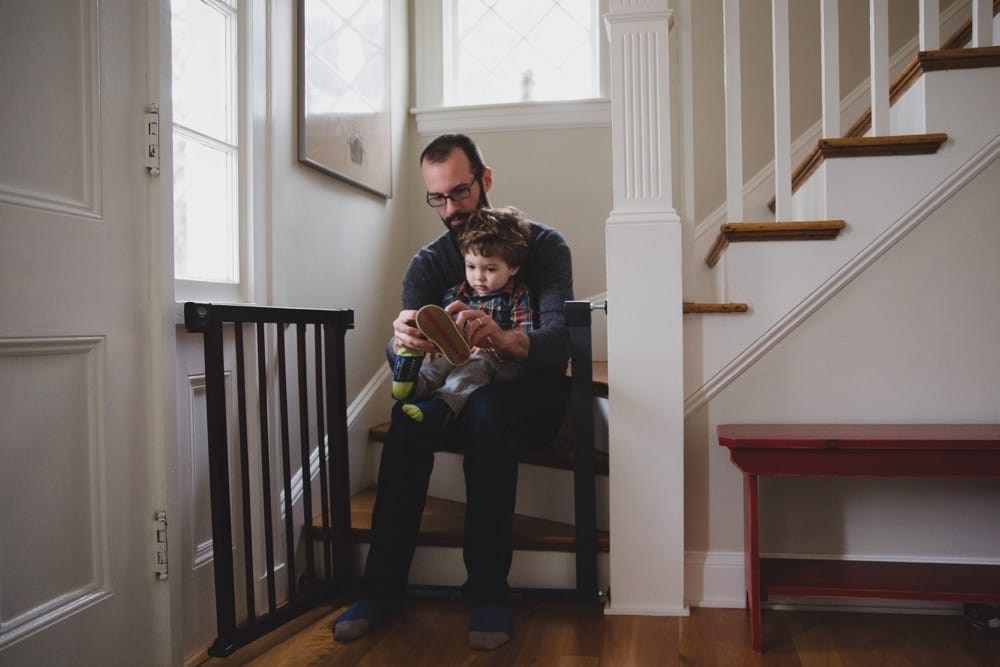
913, 339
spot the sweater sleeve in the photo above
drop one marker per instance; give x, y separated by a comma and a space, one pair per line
550, 278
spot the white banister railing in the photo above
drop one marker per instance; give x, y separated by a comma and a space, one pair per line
734, 110
782, 108
879, 53
982, 23
882, 66
930, 21
830, 38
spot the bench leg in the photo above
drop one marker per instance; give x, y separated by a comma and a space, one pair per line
751, 547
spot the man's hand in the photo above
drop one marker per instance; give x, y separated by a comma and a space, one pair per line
482, 331
406, 333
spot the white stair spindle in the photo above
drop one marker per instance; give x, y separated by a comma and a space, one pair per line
880, 67
930, 25
982, 23
782, 110
830, 36
734, 111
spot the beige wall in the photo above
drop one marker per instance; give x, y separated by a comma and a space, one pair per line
335, 245
560, 177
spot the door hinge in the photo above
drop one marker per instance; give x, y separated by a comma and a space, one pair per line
160, 530
153, 139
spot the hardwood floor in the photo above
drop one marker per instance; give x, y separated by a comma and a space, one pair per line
432, 633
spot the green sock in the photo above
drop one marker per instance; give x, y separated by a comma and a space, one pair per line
405, 370
434, 413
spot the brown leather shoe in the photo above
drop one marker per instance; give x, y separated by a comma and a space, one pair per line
435, 323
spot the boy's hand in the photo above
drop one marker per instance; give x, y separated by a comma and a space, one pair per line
406, 333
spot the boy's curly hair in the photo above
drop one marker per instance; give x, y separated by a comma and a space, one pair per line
496, 232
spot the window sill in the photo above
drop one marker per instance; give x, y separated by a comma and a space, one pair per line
515, 116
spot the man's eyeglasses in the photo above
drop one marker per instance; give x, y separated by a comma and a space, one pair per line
458, 194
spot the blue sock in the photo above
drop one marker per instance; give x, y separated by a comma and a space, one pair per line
490, 626
359, 618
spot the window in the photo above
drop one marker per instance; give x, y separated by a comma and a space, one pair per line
521, 50
510, 64
210, 209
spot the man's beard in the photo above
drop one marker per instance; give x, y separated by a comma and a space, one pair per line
456, 221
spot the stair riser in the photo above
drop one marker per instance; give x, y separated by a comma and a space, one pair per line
542, 493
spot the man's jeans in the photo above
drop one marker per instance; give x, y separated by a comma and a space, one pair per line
499, 421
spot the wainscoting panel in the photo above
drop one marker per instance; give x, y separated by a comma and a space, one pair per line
49, 54
54, 548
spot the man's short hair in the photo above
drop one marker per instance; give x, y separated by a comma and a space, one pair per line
438, 150
496, 232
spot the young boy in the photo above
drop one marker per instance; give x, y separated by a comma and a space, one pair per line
494, 245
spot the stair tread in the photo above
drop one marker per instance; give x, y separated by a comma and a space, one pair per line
798, 230
443, 521
558, 455
713, 307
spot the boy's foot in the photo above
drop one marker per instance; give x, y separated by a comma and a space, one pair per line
359, 618
490, 626
405, 370
435, 323
433, 413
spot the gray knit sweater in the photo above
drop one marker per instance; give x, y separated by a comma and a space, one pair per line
547, 272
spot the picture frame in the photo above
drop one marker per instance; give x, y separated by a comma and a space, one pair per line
344, 127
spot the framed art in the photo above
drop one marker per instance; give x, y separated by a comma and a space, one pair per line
343, 91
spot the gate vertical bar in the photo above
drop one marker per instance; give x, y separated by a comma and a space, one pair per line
300, 340
265, 464
584, 493
340, 481
286, 465
218, 472
241, 409
324, 492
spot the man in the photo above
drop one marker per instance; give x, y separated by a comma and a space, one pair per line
498, 422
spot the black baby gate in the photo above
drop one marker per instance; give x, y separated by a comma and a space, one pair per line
243, 502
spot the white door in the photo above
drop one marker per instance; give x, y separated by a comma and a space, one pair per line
78, 488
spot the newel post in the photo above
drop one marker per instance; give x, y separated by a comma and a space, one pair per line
645, 347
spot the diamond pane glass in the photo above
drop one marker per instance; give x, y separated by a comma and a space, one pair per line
345, 43
522, 50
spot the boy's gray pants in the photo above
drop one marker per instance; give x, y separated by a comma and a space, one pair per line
454, 384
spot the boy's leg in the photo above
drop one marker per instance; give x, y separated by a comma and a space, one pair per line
449, 397
405, 371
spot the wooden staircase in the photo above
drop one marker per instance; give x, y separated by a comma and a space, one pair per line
854, 143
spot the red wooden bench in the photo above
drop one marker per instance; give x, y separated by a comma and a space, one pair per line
854, 450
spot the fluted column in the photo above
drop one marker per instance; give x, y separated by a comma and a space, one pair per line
645, 347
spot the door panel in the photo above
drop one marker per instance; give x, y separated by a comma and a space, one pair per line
77, 487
